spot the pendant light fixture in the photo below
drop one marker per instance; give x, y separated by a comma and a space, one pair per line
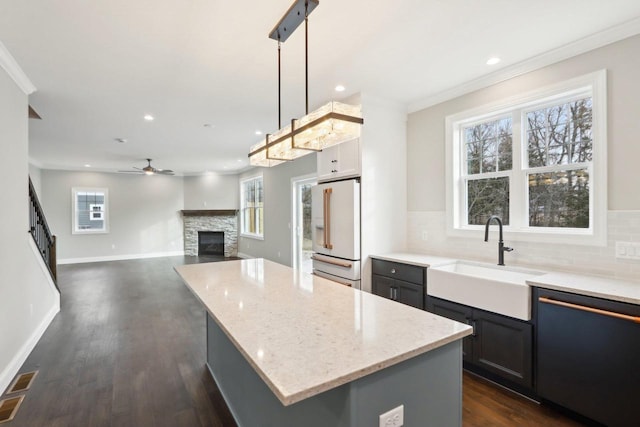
331, 124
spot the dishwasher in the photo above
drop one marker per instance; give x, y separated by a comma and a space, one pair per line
588, 356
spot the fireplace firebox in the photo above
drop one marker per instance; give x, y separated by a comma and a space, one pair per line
211, 243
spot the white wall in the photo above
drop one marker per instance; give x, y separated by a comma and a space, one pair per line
211, 191
426, 167
384, 180
28, 299
36, 178
144, 215
277, 242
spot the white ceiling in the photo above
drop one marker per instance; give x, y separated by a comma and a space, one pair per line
101, 65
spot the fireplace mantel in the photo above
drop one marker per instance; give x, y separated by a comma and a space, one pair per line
210, 212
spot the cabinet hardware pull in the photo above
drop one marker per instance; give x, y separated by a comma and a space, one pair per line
393, 271
635, 319
338, 263
390, 293
473, 328
395, 294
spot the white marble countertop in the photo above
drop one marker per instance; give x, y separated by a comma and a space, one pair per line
599, 287
595, 286
304, 334
420, 260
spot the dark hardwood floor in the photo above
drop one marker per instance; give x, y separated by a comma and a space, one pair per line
128, 349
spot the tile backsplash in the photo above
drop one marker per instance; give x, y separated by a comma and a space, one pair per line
427, 232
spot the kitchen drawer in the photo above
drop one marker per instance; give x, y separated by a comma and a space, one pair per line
336, 266
398, 271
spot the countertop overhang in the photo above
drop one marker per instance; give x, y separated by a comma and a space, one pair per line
304, 334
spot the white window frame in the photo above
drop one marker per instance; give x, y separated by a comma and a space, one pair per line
74, 209
243, 233
594, 85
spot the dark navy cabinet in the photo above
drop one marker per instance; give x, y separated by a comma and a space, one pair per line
399, 282
500, 346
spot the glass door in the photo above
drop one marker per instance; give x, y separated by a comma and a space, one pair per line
301, 227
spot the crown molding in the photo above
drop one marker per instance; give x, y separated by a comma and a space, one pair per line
15, 72
594, 41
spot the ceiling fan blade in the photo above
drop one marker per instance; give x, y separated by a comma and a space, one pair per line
136, 172
164, 172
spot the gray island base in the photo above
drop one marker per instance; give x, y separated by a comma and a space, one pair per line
291, 349
428, 385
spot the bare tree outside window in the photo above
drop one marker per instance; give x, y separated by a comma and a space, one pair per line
560, 135
488, 149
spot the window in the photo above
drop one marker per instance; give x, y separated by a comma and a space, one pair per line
252, 207
538, 161
90, 213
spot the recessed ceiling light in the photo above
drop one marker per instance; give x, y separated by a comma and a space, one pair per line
493, 60
258, 132
240, 160
149, 117
87, 165
120, 140
340, 88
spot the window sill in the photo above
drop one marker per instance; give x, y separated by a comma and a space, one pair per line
252, 236
90, 232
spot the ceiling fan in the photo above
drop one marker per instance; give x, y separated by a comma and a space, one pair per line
150, 170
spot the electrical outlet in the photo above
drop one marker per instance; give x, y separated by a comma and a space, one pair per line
628, 250
393, 418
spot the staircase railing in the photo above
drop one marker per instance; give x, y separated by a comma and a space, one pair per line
39, 230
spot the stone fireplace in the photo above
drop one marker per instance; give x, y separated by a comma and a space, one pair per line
218, 228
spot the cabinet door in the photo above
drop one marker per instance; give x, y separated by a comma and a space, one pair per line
327, 162
382, 286
504, 346
349, 159
410, 294
340, 161
457, 312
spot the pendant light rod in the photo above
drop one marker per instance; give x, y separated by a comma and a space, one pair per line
279, 90
306, 55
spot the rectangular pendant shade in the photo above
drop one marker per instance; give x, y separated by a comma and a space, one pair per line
331, 124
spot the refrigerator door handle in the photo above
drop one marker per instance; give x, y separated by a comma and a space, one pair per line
327, 217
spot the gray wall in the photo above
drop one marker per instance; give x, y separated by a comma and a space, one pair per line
28, 300
426, 168
426, 138
144, 214
277, 210
211, 191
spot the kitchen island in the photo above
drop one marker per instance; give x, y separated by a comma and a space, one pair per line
289, 348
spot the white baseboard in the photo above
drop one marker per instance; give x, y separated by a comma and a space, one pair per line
18, 360
245, 256
119, 257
